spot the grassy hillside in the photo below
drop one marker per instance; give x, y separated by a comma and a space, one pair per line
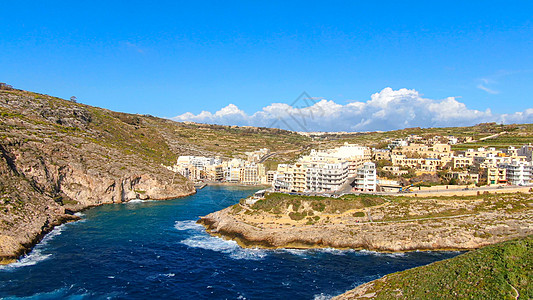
158, 139
309, 205
501, 271
517, 135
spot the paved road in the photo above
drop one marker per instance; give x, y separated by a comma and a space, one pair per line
481, 189
492, 136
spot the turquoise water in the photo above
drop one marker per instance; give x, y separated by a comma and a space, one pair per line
154, 249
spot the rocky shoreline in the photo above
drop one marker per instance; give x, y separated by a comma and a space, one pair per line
12, 249
67, 218
471, 230
58, 158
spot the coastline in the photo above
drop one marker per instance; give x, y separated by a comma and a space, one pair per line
460, 225
263, 243
244, 243
63, 219
215, 183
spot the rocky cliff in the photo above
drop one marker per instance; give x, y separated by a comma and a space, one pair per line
58, 157
396, 224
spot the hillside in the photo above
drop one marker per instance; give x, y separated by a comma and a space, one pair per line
513, 135
58, 157
501, 271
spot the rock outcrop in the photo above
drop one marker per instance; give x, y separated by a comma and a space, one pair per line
396, 226
58, 157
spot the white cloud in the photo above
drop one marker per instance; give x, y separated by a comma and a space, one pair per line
386, 110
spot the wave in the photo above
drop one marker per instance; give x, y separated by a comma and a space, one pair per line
304, 253
322, 296
79, 214
36, 255
395, 254
29, 259
69, 292
188, 225
133, 201
217, 244
335, 251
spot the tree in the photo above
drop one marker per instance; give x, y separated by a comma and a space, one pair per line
74, 99
5, 86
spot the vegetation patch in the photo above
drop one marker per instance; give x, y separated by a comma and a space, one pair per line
501, 271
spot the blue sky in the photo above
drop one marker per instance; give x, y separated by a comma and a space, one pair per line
171, 57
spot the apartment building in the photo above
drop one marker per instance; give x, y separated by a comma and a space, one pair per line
310, 177
252, 174
270, 175
403, 161
291, 177
353, 154
461, 162
492, 159
198, 162
492, 175
510, 151
526, 151
214, 172
395, 170
381, 154
197, 167
365, 181
442, 148
517, 172
397, 143
479, 152
327, 177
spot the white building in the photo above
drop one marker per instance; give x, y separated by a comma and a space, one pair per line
518, 173
353, 154
198, 162
366, 178
326, 177
319, 177
398, 143
282, 182
452, 140
492, 160
195, 167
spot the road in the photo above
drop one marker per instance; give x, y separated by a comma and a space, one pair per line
281, 152
480, 189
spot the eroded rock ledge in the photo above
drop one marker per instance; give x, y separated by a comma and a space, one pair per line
461, 224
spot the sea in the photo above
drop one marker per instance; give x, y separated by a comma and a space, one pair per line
155, 249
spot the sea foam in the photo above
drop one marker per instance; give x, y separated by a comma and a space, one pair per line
188, 225
231, 248
322, 296
36, 255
